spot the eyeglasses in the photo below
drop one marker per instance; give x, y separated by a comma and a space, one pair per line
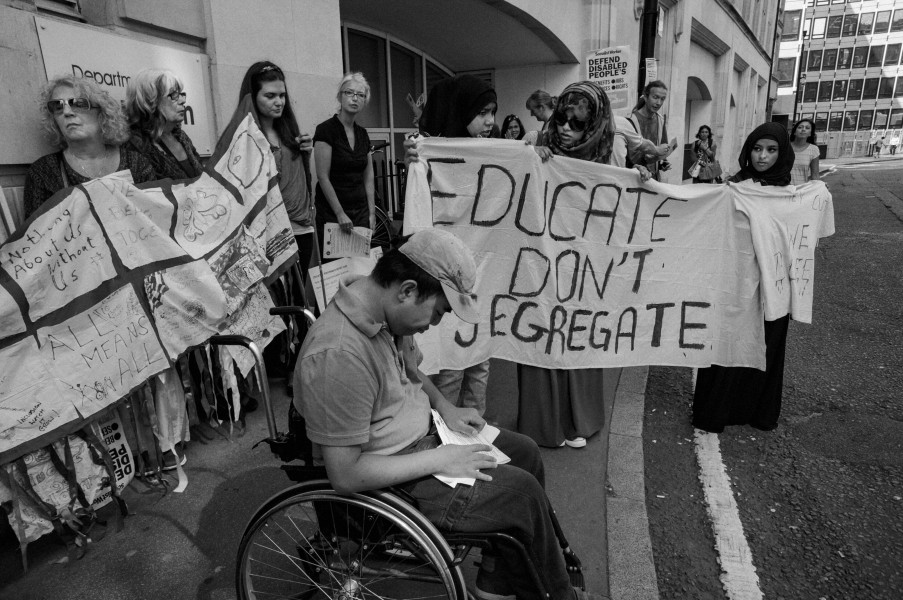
575, 125
353, 94
174, 96
80, 104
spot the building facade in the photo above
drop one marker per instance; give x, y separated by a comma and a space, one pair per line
839, 64
715, 56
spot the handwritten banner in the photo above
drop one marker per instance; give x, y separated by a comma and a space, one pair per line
582, 265
108, 283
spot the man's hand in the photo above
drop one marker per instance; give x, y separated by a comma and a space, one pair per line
412, 145
462, 420
465, 461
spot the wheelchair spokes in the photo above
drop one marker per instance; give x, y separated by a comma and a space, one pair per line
321, 545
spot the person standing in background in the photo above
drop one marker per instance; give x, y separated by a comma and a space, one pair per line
541, 106
155, 105
805, 164
649, 121
345, 191
512, 128
705, 148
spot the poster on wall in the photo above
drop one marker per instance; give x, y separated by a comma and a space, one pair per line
112, 60
614, 68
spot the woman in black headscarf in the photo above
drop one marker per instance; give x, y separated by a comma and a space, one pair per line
742, 395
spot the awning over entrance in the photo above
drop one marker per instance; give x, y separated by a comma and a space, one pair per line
465, 35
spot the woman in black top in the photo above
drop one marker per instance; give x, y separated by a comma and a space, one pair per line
345, 191
88, 126
155, 104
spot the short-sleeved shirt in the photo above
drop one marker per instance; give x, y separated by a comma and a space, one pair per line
45, 176
358, 385
799, 174
346, 170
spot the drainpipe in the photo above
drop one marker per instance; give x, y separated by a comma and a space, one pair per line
648, 32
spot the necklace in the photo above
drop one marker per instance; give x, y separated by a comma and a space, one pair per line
100, 164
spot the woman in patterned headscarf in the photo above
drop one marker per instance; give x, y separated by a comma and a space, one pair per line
560, 407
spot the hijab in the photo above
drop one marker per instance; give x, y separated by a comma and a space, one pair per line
779, 173
452, 104
596, 144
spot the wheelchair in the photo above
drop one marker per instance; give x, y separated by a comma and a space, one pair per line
310, 542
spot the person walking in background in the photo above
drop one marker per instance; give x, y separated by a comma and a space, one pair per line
705, 148
155, 105
741, 395
878, 146
459, 107
345, 190
805, 164
541, 105
894, 141
647, 118
512, 128
558, 407
89, 128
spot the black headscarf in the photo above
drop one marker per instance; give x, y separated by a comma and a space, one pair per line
779, 173
452, 104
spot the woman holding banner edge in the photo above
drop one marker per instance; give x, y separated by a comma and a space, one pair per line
742, 395
563, 407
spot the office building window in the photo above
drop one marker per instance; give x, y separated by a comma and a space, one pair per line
810, 91
824, 91
822, 2
850, 119
870, 89
805, 116
844, 56
836, 121
892, 55
865, 26
818, 28
860, 55
865, 119
829, 61
792, 20
786, 71
882, 21
854, 90
898, 92
814, 60
821, 121
886, 88
840, 91
881, 116
834, 26
896, 118
897, 23
876, 56
850, 22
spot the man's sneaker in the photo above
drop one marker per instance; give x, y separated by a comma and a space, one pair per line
169, 460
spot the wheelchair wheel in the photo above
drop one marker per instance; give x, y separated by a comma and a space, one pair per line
312, 543
382, 231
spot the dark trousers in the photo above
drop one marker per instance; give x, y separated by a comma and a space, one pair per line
514, 502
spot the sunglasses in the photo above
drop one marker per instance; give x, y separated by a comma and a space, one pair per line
562, 119
174, 96
80, 104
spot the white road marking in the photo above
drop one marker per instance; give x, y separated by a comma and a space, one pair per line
738, 574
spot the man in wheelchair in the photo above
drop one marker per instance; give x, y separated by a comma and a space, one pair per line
367, 405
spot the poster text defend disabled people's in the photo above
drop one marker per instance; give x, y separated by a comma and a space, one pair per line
582, 265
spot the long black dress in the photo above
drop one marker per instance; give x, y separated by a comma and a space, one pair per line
741, 395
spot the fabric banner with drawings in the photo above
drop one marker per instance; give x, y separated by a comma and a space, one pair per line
109, 282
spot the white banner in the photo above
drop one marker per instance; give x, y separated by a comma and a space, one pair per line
582, 265
112, 60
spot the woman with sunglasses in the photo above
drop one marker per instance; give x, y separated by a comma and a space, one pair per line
559, 407
155, 105
89, 128
345, 189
